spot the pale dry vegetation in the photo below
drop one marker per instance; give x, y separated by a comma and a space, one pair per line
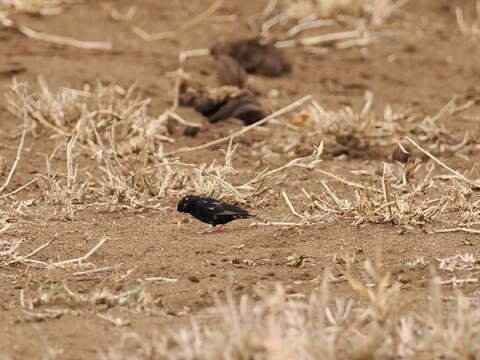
41, 7
412, 188
469, 24
375, 11
114, 127
339, 23
378, 324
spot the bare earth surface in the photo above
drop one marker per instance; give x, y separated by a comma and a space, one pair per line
419, 71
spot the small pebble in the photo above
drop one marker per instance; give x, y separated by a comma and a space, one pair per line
193, 279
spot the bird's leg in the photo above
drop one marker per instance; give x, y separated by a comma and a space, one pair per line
207, 230
212, 229
219, 228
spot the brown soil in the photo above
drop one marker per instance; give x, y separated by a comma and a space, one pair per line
420, 71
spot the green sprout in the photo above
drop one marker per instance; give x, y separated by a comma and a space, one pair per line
295, 260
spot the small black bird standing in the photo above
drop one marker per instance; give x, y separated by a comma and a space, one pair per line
211, 211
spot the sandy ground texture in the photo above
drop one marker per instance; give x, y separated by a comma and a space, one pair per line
153, 273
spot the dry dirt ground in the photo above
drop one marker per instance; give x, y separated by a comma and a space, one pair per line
419, 70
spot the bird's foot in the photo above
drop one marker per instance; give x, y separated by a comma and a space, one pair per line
207, 230
219, 228
212, 229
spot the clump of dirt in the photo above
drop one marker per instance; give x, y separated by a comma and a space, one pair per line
221, 103
229, 72
255, 56
232, 99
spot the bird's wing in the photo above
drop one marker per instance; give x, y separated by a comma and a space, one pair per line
218, 208
225, 209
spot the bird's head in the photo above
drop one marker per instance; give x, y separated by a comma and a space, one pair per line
185, 204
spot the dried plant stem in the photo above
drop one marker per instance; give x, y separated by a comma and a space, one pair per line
179, 76
269, 8
93, 271
38, 263
115, 321
346, 182
181, 120
277, 19
117, 16
71, 169
19, 189
265, 174
466, 29
189, 24
441, 163
320, 39
310, 25
37, 115
5, 228
55, 39
86, 256
37, 250
251, 21
289, 203
280, 112
64, 40
457, 229
332, 195
456, 281
160, 278
184, 55
19, 152
280, 223
230, 187
449, 109
386, 192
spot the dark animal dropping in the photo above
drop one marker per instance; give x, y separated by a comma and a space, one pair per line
229, 72
211, 211
255, 56
222, 103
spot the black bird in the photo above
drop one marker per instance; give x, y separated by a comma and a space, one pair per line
211, 211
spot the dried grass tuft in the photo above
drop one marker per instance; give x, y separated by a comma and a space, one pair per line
113, 126
41, 7
376, 11
404, 191
378, 324
95, 114
370, 128
469, 27
362, 15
